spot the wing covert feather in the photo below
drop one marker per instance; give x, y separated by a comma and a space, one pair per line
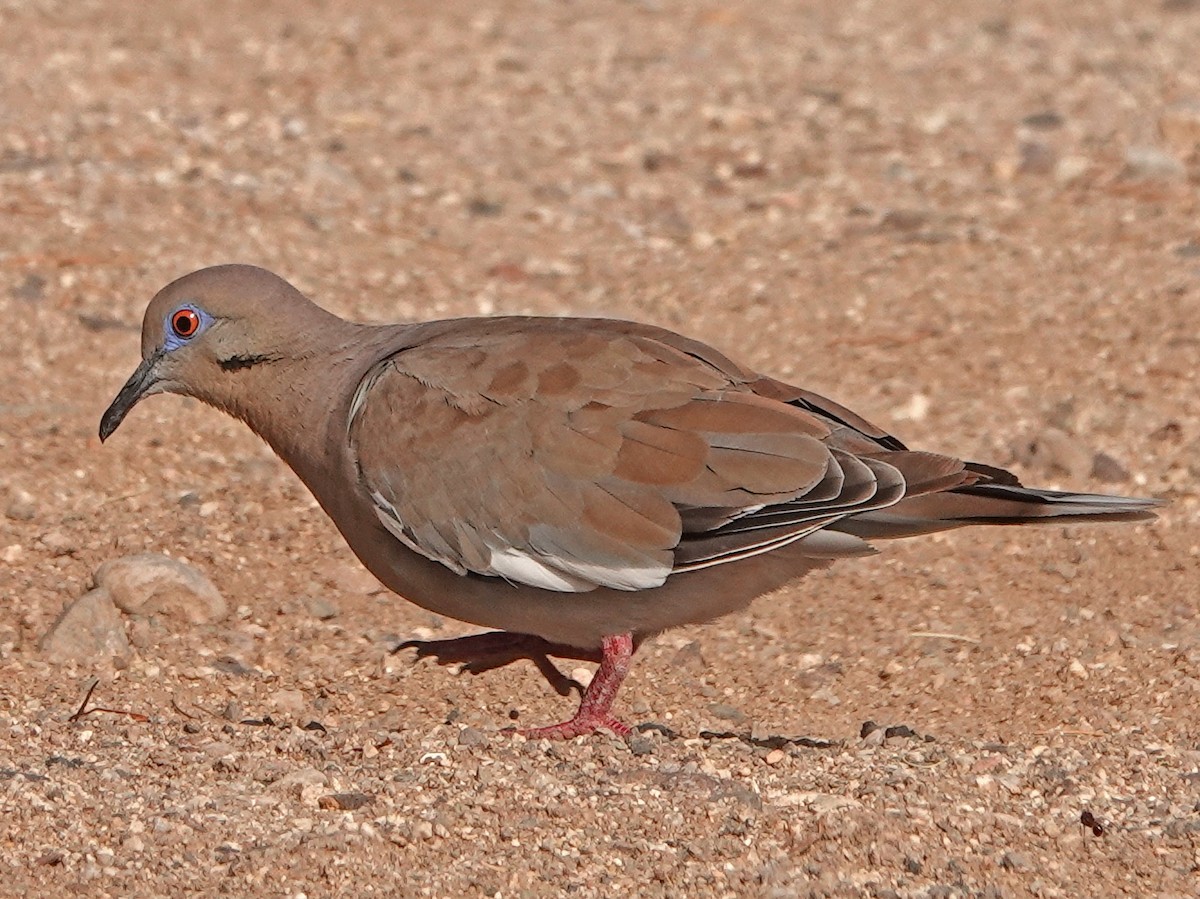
569, 456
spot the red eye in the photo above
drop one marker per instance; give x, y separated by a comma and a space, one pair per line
185, 323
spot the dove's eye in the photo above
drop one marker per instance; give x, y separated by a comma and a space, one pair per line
185, 322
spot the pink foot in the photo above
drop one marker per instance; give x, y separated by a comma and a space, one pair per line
616, 656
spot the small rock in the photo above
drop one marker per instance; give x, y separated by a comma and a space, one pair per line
1151, 163
916, 409
345, 801
807, 661
32, 289
153, 584
12, 553
1015, 861
295, 781
1108, 470
727, 712
1170, 431
1071, 168
58, 542
873, 737
218, 749
293, 128
1179, 126
1055, 452
472, 736
904, 219
321, 608
354, 580
689, 657
1036, 158
20, 506
288, 700
775, 756
88, 629
825, 694
1046, 120
640, 745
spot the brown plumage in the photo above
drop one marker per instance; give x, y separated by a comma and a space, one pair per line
581, 484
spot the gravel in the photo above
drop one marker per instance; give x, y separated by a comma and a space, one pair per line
968, 223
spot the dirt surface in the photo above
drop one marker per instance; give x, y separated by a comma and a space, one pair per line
975, 223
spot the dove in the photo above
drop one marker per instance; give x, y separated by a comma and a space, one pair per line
577, 485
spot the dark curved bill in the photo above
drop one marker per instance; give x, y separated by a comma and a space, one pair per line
135, 388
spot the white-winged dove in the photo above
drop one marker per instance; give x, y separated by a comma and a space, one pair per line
578, 484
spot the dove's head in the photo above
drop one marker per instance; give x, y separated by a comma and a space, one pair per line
205, 331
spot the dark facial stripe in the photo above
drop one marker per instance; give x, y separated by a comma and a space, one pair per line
238, 363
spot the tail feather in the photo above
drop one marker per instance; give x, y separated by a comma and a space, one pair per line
993, 503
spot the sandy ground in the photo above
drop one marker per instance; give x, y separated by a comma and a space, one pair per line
974, 222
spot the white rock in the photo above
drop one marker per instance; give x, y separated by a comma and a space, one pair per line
155, 585
1151, 163
90, 628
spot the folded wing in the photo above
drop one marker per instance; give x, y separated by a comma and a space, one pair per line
565, 456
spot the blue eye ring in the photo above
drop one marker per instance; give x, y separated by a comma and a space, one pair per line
184, 324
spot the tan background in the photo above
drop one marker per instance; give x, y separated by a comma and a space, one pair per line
975, 223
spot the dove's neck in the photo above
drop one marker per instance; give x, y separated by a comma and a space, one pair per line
298, 398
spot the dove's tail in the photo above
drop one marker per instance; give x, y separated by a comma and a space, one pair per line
998, 498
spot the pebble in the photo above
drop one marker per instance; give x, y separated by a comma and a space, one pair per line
1054, 452
640, 745
288, 700
904, 219
90, 628
1015, 861
58, 542
32, 289
321, 608
20, 506
295, 781
1036, 158
345, 801
472, 736
825, 694
727, 712
874, 737
156, 585
354, 580
1071, 168
1108, 470
1046, 120
1151, 163
1179, 126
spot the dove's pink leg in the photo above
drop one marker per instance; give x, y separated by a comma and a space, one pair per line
616, 656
